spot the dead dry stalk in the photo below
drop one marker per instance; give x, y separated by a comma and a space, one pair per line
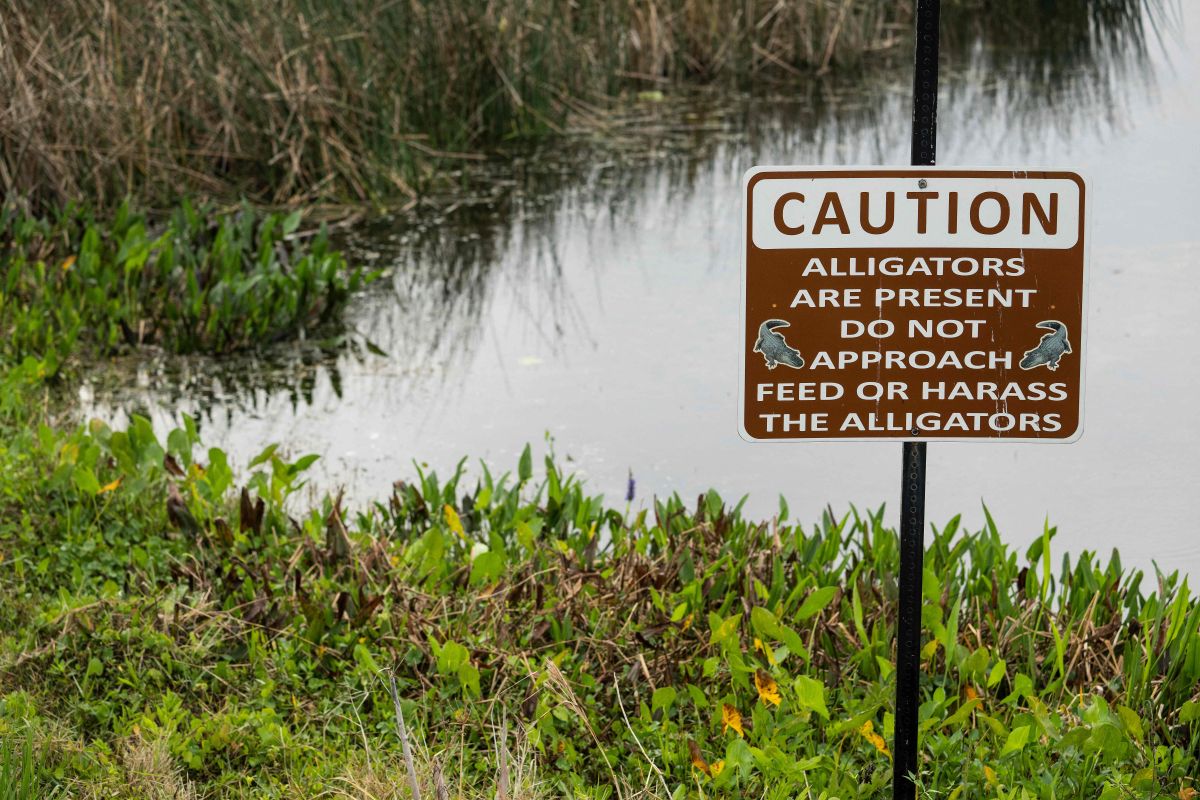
408, 756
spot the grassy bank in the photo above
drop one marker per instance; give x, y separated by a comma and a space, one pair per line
307, 101
173, 621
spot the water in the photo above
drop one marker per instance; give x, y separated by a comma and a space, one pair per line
588, 294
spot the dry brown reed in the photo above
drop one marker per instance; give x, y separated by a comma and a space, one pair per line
301, 101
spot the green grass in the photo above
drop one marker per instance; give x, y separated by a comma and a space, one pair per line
165, 608
196, 281
22, 775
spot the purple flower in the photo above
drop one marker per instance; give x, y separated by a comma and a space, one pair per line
630, 488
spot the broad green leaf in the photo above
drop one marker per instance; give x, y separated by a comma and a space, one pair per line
363, 657
931, 587
525, 465
264, 456
1109, 740
768, 627
468, 676
291, 223
811, 694
1074, 738
1131, 721
815, 603
451, 657
487, 567
997, 674
664, 698
723, 629
1017, 738
976, 662
85, 480
525, 535
962, 714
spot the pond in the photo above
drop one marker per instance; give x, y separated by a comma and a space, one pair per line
584, 296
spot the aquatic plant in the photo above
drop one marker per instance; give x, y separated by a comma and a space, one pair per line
316, 100
197, 281
157, 594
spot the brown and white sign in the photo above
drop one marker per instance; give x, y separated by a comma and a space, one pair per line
902, 303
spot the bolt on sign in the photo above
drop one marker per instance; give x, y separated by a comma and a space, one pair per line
907, 303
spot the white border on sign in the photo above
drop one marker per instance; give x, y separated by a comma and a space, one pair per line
1012, 172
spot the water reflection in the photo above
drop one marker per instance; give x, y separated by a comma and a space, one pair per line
541, 298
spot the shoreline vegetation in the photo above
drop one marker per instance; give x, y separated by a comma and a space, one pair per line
313, 101
201, 281
373, 103
176, 626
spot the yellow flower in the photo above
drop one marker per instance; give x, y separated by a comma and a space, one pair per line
731, 718
697, 759
990, 774
108, 487
452, 520
768, 690
717, 766
868, 732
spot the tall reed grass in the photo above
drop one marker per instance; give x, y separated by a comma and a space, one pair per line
364, 100
306, 100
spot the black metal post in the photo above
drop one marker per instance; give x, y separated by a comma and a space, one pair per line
912, 498
925, 84
908, 639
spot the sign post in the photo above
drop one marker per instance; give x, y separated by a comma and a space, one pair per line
912, 479
908, 304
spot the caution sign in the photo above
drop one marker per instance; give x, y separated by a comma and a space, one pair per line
913, 303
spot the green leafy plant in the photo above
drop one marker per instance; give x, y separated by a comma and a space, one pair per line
196, 281
165, 596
